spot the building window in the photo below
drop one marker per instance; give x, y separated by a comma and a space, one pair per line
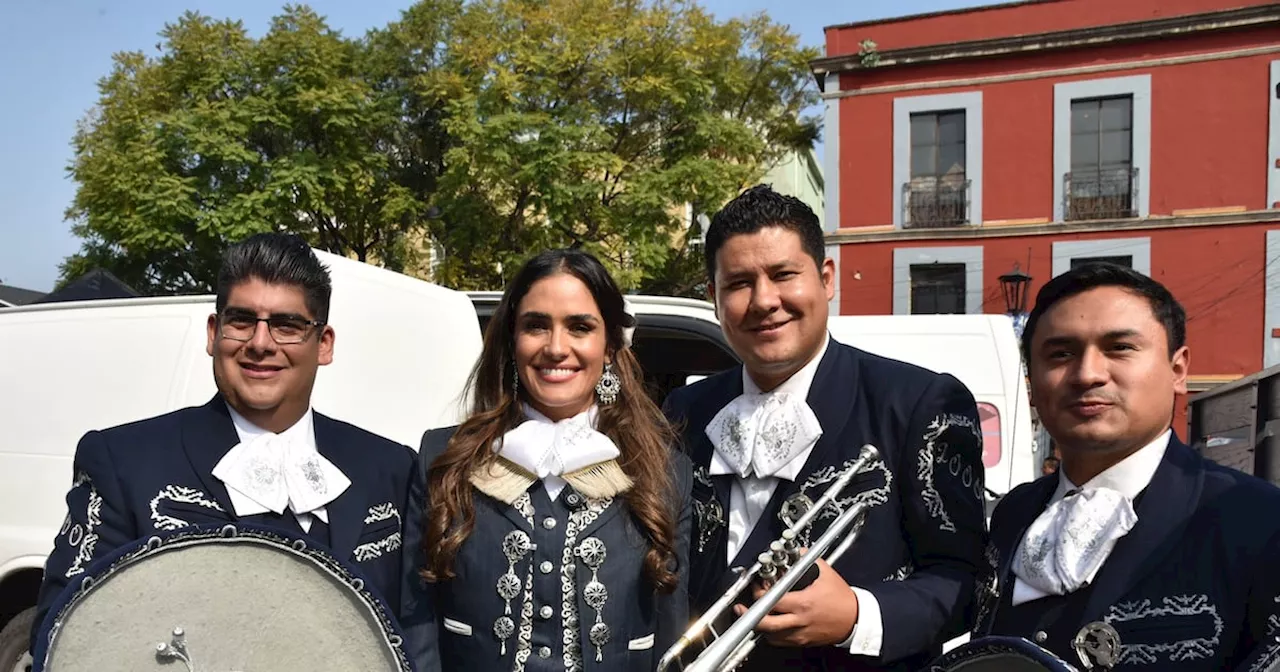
937, 160
1119, 260
937, 289
1132, 252
937, 194
937, 280
1273, 147
1102, 148
1102, 181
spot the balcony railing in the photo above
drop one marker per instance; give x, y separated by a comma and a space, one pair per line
1100, 194
935, 202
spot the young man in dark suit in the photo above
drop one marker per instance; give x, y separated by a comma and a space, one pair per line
256, 452
1138, 554
772, 435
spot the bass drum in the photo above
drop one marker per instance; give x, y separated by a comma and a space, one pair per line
230, 598
999, 654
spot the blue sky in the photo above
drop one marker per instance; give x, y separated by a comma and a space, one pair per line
55, 51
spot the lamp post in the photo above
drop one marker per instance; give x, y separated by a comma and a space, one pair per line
1014, 285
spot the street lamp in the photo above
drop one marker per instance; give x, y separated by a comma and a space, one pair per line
1015, 284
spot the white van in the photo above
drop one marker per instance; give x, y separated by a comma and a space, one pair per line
982, 352
403, 350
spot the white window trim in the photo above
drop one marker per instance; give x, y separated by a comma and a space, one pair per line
833, 306
1271, 309
1138, 248
1273, 153
906, 257
831, 156
903, 108
1138, 86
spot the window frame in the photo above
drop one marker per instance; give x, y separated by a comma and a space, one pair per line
1064, 93
903, 108
906, 257
939, 287
1137, 248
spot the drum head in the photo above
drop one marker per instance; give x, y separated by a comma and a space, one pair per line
223, 599
999, 654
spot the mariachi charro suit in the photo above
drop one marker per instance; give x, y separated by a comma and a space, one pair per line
1195, 585
574, 541
921, 547
156, 475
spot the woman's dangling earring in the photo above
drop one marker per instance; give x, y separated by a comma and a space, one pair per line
609, 386
515, 380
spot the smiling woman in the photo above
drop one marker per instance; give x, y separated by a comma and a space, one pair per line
563, 432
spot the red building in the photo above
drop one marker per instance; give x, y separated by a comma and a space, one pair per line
1041, 134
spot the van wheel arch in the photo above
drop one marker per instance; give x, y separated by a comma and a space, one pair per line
18, 592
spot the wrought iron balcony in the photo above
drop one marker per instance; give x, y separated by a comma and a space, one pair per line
935, 202
1100, 194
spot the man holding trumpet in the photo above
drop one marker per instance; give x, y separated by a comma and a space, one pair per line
768, 441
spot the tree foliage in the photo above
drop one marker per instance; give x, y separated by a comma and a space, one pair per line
484, 131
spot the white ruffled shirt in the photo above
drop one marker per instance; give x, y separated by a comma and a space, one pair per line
550, 449
750, 495
315, 480
1060, 551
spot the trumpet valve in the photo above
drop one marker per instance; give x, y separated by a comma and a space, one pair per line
768, 570
779, 555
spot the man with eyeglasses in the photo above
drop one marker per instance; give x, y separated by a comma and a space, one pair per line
256, 453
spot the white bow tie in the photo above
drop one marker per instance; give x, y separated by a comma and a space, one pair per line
547, 448
763, 432
1067, 544
270, 473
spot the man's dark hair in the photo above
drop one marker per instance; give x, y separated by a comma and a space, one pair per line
756, 208
277, 259
1166, 309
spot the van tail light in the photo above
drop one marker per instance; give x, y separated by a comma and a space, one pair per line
990, 418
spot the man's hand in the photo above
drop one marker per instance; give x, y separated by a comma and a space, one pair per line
822, 614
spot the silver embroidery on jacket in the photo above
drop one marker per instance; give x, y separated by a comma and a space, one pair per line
1173, 606
1272, 652
524, 639
375, 549
387, 544
871, 498
710, 514
86, 539
381, 512
934, 455
183, 494
578, 520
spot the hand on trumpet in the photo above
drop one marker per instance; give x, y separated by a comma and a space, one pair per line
822, 614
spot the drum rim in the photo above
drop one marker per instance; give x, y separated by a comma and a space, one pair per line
318, 555
998, 644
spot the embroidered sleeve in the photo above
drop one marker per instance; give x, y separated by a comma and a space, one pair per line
939, 470
417, 597
1264, 612
672, 615
96, 522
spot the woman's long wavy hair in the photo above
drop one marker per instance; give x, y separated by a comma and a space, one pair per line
634, 423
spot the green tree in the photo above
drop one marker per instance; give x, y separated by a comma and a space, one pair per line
599, 124
222, 136
485, 130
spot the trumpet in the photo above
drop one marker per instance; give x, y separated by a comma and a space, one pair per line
782, 566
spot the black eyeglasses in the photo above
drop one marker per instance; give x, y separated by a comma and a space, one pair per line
284, 329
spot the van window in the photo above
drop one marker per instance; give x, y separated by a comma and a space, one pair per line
990, 418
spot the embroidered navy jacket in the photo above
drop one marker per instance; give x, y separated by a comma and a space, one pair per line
921, 547
1195, 585
552, 610
156, 475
